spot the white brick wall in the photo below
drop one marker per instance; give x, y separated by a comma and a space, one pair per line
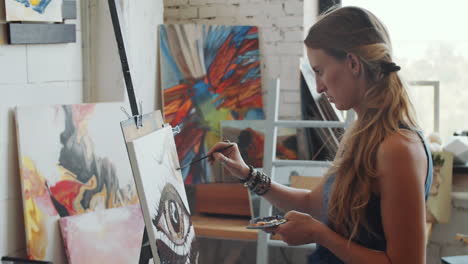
281, 33
30, 74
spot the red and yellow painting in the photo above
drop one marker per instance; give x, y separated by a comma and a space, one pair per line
73, 160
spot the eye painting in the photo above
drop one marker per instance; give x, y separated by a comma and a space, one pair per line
175, 233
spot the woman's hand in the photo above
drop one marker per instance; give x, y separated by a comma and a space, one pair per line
230, 158
300, 229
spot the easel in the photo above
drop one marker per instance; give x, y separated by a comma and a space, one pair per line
143, 124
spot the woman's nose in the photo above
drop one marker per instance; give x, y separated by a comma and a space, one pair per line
320, 86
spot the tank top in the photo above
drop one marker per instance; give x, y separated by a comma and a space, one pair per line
372, 241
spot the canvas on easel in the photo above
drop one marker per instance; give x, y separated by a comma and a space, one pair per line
209, 73
162, 196
150, 122
72, 161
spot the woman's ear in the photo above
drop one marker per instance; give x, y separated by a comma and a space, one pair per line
354, 64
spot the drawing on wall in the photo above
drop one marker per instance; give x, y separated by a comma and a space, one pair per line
106, 236
250, 137
438, 206
163, 199
209, 73
34, 10
71, 163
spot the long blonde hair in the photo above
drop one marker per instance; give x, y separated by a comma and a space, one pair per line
386, 106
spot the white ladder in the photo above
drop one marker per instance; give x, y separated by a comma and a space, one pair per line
270, 162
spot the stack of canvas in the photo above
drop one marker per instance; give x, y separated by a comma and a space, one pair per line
72, 161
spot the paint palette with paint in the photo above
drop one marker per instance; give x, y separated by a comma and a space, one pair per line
264, 222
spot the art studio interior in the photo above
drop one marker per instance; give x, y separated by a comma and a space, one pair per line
233, 131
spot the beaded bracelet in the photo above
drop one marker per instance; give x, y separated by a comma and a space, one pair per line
251, 174
257, 181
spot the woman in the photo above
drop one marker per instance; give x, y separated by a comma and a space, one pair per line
370, 205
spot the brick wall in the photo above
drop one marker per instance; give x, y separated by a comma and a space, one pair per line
281, 27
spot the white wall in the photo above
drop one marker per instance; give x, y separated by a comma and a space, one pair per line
53, 74
281, 29
30, 74
138, 20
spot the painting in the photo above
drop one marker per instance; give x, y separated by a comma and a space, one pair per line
34, 10
106, 236
209, 73
250, 137
438, 206
162, 196
72, 161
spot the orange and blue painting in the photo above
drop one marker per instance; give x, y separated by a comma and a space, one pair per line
209, 73
34, 10
73, 161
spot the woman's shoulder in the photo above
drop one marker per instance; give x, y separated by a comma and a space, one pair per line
400, 142
401, 149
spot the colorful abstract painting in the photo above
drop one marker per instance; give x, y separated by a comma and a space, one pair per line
163, 199
106, 236
209, 73
72, 161
250, 137
34, 10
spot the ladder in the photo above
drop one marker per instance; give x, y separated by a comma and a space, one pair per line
269, 159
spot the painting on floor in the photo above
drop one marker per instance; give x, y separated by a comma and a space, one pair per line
106, 236
250, 137
162, 196
34, 10
72, 161
209, 73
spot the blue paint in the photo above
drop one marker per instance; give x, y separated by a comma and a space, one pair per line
228, 74
215, 100
239, 34
235, 114
214, 37
40, 8
253, 73
201, 90
24, 2
254, 114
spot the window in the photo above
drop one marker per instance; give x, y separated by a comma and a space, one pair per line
430, 44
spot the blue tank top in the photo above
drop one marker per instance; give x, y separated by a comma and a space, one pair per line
372, 241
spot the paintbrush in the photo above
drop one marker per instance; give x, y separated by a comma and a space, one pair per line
204, 157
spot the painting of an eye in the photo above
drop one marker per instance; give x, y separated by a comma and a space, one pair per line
176, 236
164, 203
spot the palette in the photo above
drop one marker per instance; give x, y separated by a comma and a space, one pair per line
268, 221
